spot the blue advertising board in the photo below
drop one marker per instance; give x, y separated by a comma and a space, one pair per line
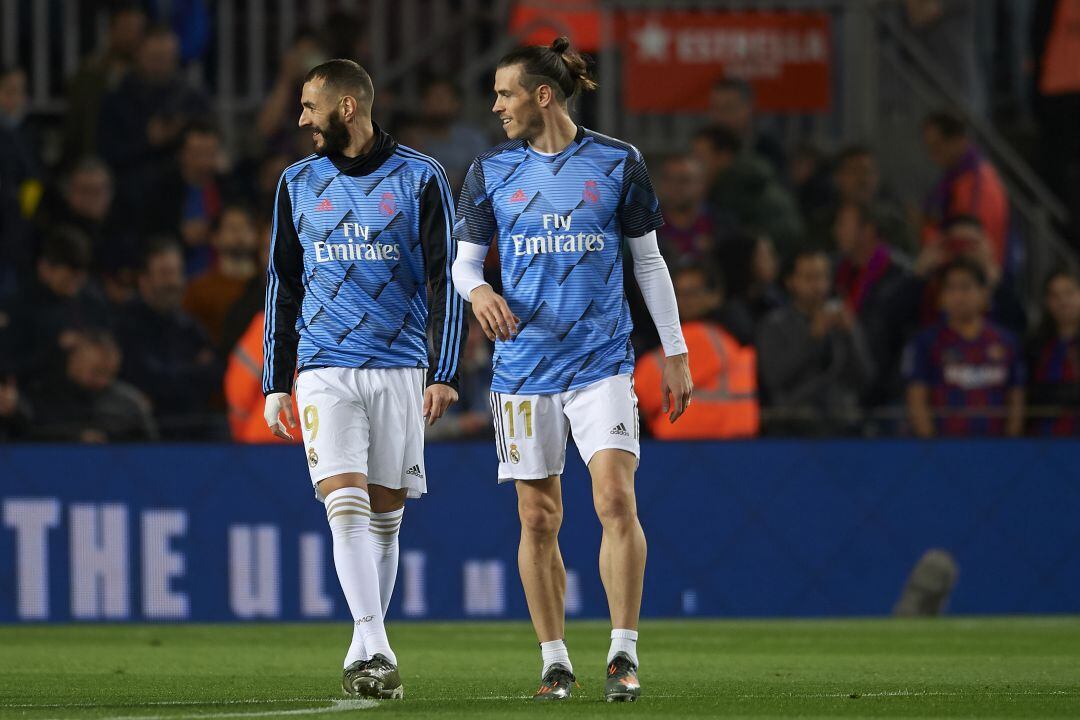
767, 528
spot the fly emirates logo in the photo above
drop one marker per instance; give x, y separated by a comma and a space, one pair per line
357, 246
557, 239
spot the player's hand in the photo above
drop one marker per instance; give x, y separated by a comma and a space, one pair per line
276, 404
676, 382
437, 399
493, 313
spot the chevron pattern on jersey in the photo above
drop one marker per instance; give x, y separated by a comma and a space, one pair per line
560, 222
365, 289
316, 183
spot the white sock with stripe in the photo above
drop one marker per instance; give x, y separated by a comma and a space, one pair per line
348, 511
384, 545
553, 652
625, 641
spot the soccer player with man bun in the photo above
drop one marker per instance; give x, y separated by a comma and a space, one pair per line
562, 202
361, 236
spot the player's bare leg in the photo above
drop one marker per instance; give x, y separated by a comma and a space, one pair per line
544, 578
539, 559
384, 499
348, 511
622, 564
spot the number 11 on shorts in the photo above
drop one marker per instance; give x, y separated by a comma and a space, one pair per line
525, 409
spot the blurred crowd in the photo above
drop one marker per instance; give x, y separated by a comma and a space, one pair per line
814, 301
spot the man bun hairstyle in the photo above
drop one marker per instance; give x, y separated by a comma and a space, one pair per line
564, 70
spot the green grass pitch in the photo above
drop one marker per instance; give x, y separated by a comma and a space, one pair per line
1014, 667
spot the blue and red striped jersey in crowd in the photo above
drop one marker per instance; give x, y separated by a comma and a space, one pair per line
968, 379
1055, 379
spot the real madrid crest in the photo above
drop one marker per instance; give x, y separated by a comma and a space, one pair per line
312, 457
515, 456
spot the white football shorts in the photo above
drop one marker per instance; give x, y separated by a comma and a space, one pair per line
531, 430
367, 421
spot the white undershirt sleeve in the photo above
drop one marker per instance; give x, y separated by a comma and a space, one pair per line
655, 282
468, 269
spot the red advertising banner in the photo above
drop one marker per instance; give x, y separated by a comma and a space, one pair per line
671, 59
541, 21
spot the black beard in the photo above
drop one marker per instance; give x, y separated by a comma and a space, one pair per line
335, 136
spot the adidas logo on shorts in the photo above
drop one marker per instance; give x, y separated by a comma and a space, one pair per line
620, 429
415, 470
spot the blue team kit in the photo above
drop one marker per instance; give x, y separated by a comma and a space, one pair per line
560, 221
356, 244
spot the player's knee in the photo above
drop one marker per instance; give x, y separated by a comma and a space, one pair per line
344, 480
540, 518
615, 507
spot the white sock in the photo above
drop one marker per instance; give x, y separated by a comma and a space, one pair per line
623, 641
349, 513
555, 652
384, 545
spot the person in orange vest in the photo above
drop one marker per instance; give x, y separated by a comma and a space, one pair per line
724, 372
243, 388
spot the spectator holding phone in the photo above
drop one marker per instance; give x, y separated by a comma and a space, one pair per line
813, 359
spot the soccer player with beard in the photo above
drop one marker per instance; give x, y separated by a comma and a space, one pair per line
361, 236
562, 202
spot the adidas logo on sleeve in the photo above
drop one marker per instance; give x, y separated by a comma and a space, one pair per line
620, 429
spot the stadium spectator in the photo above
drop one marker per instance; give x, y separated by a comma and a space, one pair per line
448, 138
877, 284
969, 186
1055, 44
731, 105
87, 193
690, 227
87, 404
749, 271
724, 371
20, 180
470, 416
965, 375
142, 119
1054, 360
813, 361
167, 354
964, 236
59, 304
252, 300
808, 178
210, 295
85, 202
745, 187
276, 122
99, 75
243, 388
188, 195
946, 30
856, 180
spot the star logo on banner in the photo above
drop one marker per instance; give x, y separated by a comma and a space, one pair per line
652, 42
